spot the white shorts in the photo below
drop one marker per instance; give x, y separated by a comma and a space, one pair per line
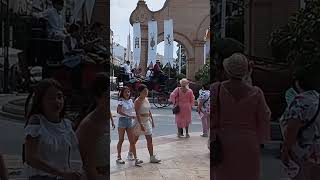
147, 126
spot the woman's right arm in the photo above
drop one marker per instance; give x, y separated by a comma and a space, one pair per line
3, 169
290, 138
32, 158
88, 150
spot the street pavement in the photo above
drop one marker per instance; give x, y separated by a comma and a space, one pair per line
186, 159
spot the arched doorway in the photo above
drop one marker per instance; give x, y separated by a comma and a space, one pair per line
189, 28
180, 59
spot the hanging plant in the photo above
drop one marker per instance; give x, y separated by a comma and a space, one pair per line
298, 42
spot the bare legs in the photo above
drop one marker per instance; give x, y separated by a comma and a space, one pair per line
131, 139
121, 132
149, 143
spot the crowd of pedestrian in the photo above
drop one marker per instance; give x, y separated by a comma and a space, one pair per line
234, 110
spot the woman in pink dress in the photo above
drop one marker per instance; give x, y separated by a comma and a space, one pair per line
183, 96
243, 125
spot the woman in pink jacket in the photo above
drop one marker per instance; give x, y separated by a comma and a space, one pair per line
241, 119
184, 98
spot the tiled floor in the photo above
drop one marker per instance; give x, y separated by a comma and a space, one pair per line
182, 159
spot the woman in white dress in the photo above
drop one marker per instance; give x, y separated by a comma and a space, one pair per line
49, 137
93, 133
144, 123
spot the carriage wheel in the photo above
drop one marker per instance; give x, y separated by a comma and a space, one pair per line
160, 99
166, 101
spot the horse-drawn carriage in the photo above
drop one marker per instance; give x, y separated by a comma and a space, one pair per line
160, 88
75, 75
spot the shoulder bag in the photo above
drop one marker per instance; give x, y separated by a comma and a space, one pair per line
176, 108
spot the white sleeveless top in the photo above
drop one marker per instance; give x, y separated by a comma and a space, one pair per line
145, 107
55, 139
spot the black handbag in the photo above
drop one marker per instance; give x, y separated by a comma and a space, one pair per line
216, 144
176, 108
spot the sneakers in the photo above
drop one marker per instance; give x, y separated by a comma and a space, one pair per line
130, 156
120, 161
187, 136
138, 162
153, 159
179, 135
204, 135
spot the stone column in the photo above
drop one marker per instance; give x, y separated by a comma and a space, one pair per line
100, 12
196, 62
144, 49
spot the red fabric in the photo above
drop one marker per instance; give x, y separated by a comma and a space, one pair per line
88, 75
245, 125
156, 68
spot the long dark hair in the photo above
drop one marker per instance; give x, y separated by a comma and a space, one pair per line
141, 88
122, 91
99, 86
38, 94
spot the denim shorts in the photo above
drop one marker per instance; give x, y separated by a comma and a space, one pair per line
125, 122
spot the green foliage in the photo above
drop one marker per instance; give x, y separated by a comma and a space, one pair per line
181, 76
227, 46
235, 28
298, 42
203, 75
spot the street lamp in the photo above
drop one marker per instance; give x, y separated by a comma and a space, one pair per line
5, 43
112, 60
112, 56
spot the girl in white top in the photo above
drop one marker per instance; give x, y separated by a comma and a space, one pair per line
204, 109
49, 137
125, 110
144, 123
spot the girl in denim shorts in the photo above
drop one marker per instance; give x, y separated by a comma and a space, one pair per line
125, 110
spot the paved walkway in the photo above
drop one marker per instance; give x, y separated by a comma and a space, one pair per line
186, 159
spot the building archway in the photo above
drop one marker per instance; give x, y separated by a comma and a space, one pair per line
189, 28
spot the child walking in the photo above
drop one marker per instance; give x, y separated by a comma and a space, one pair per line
125, 110
204, 109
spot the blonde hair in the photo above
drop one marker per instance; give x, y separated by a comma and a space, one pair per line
184, 82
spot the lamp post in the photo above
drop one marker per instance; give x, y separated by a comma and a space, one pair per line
180, 58
112, 57
5, 39
223, 18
